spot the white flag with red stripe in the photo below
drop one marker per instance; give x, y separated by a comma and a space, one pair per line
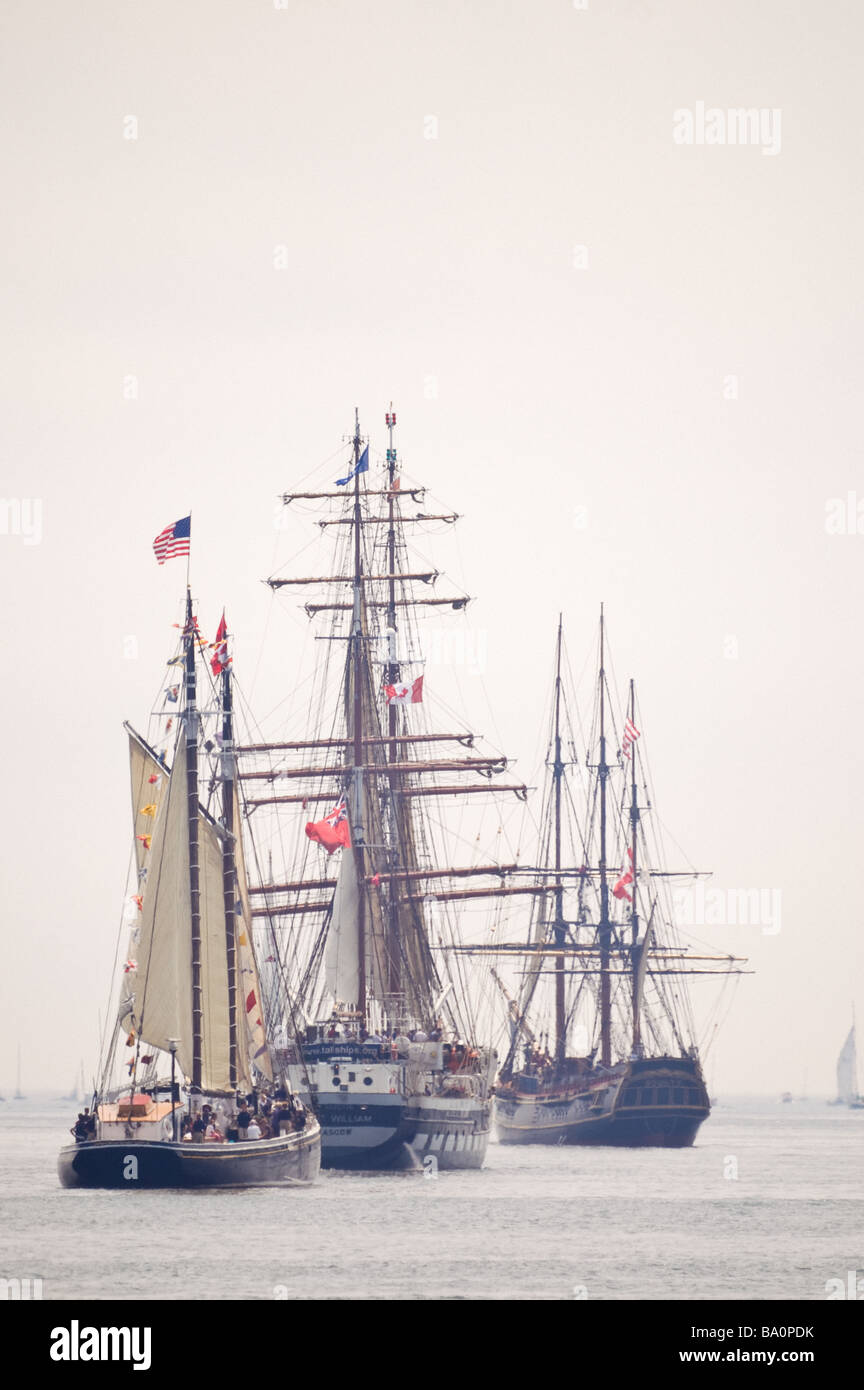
402, 694
631, 733
620, 888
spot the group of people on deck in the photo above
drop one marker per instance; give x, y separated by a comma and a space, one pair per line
256, 1116
85, 1126
393, 1045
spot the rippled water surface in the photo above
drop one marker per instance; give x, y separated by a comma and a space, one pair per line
536, 1223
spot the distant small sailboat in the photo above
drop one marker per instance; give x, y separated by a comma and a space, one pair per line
847, 1073
19, 1095
79, 1088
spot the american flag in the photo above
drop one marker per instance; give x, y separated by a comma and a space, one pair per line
174, 540
631, 733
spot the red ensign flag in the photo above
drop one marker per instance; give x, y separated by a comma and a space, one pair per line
333, 832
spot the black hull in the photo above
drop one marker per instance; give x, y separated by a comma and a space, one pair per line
650, 1131
452, 1139
292, 1160
656, 1103
384, 1138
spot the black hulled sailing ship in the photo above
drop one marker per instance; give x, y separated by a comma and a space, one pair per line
389, 1036
190, 998
604, 965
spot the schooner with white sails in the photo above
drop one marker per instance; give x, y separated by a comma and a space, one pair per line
189, 1028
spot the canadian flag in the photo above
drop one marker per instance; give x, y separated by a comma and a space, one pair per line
402, 694
333, 832
220, 660
620, 888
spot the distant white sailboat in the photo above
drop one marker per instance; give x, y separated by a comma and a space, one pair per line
79, 1088
847, 1073
18, 1092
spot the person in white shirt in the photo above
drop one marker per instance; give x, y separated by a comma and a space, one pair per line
254, 1130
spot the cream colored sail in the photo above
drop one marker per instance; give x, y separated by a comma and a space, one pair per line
341, 958
251, 1034
148, 782
215, 1052
162, 975
163, 1005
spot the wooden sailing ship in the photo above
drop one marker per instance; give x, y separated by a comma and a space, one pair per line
190, 999
599, 939
389, 1036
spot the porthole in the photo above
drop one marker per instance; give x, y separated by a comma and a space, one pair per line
367, 1080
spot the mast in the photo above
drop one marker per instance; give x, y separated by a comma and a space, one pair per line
392, 676
190, 716
229, 883
634, 909
604, 932
357, 715
560, 930
393, 961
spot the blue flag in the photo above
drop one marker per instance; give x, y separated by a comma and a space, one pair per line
362, 467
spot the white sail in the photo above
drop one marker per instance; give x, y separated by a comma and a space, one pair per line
215, 1050
847, 1070
163, 965
148, 783
163, 1005
342, 958
251, 1035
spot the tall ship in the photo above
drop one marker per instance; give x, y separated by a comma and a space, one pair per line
602, 1046
368, 899
189, 1032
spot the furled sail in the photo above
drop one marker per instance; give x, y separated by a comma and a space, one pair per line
639, 966
342, 958
847, 1070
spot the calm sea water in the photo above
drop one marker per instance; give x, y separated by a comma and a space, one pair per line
535, 1224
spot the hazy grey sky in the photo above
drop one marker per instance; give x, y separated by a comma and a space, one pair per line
630, 363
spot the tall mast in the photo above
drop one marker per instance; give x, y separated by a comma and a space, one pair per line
634, 910
229, 879
392, 676
560, 931
190, 716
357, 715
604, 933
